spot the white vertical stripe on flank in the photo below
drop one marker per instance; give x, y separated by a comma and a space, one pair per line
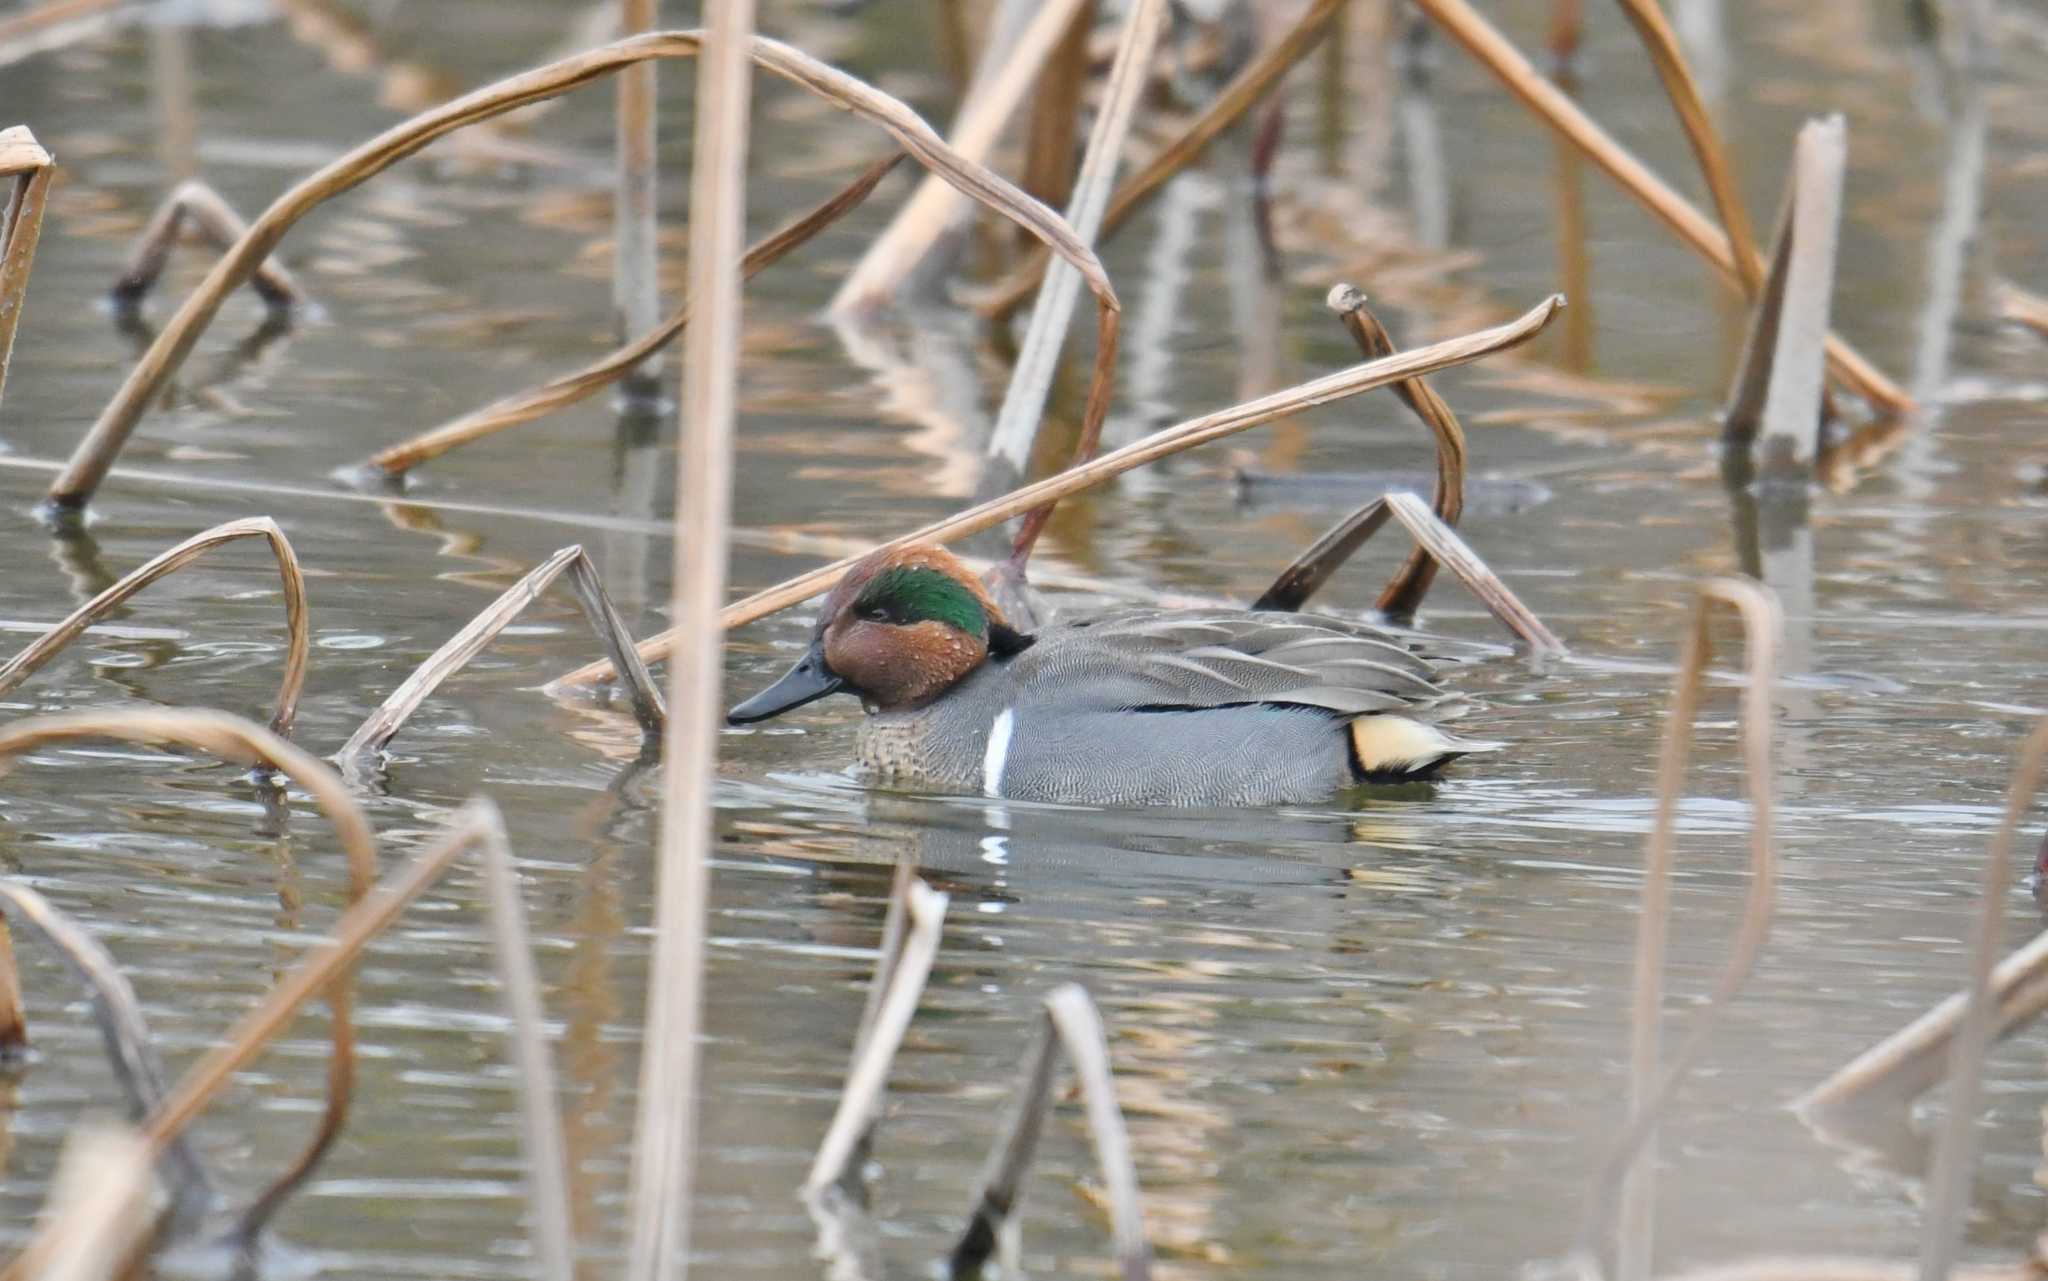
998, 753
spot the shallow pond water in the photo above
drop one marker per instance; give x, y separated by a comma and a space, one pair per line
1385, 1033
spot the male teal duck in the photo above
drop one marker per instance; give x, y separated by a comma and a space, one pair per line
1136, 707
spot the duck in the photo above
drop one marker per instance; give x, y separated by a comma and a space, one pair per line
1135, 707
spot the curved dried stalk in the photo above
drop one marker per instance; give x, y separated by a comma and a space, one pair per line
101, 1209
1161, 444
45, 647
558, 394
1071, 1024
2023, 308
23, 159
1629, 1166
1669, 59
665, 1120
1245, 91
231, 738
860, 1103
1403, 594
195, 202
130, 1047
95, 454
1493, 51
1955, 1153
378, 729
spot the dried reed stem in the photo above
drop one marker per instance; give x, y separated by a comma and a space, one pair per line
1669, 59
1783, 372
1245, 91
22, 25
665, 1127
1073, 1026
1955, 1151
1909, 1061
1161, 444
130, 1047
324, 967
636, 276
1403, 594
1555, 109
1038, 358
95, 454
218, 224
298, 633
1055, 122
382, 725
547, 1159
13, 1013
1630, 1166
860, 1103
1007, 70
23, 159
230, 738
559, 393
101, 1210
1310, 570
2023, 307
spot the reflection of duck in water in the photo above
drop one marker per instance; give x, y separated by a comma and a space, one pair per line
1141, 706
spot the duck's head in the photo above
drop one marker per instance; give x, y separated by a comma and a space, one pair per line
901, 628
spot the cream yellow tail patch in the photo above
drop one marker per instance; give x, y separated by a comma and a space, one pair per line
1397, 746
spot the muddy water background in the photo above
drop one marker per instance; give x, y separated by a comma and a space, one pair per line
1382, 1033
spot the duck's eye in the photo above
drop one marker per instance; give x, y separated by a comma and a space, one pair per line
875, 614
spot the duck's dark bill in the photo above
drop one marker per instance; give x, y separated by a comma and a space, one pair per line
807, 682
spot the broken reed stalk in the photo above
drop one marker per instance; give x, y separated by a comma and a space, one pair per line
559, 393
664, 1132
382, 725
1556, 109
298, 634
1629, 1169
547, 1159
322, 968
95, 454
1007, 70
13, 1013
1072, 1025
636, 267
23, 160
1911, 1060
1161, 444
1700, 133
192, 201
130, 1047
2023, 308
230, 738
1955, 1152
1310, 570
1245, 91
1782, 375
1038, 357
1403, 594
860, 1103
100, 1212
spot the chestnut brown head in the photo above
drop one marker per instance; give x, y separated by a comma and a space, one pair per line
900, 629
